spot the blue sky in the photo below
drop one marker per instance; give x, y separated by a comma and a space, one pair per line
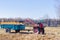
27, 8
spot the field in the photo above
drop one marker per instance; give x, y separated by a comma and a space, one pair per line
51, 33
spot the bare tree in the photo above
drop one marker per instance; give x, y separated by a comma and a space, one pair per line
58, 7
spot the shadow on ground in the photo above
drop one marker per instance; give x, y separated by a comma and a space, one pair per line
22, 32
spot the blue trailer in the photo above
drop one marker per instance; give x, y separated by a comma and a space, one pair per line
16, 27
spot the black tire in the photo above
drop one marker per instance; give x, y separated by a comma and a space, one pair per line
8, 30
17, 31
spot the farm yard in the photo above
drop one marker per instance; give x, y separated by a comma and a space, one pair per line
29, 19
51, 33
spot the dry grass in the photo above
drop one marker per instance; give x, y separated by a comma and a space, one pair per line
52, 33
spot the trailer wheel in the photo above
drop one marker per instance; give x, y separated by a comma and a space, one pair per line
17, 31
8, 30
